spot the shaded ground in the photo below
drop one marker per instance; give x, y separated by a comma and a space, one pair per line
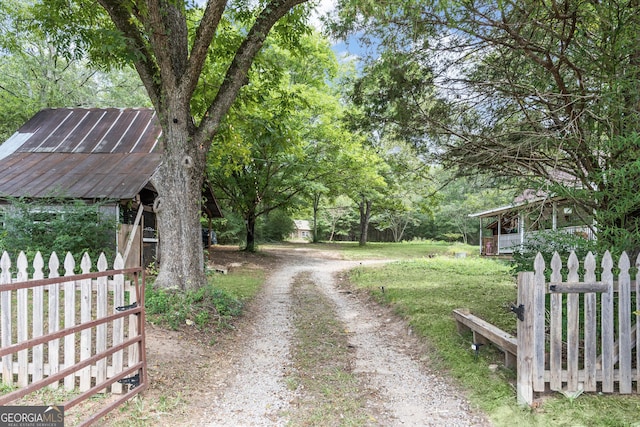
249, 377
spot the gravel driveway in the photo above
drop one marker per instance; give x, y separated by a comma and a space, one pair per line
402, 390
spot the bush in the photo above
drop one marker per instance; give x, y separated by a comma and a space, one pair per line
276, 227
60, 225
202, 307
451, 237
549, 242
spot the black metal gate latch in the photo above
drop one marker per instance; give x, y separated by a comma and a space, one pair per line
133, 381
519, 311
127, 307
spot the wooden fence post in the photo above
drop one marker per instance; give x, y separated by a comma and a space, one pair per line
6, 323
54, 318
607, 338
526, 290
69, 320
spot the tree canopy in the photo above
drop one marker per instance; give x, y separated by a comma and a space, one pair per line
546, 92
35, 74
170, 43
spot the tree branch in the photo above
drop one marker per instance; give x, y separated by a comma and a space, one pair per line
200, 48
236, 74
144, 62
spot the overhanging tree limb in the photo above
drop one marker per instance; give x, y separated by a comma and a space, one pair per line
234, 77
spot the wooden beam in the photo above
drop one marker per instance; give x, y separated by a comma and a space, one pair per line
133, 233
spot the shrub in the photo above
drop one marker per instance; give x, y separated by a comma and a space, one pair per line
276, 227
205, 306
60, 225
549, 242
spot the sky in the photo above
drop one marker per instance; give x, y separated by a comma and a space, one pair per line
350, 49
324, 7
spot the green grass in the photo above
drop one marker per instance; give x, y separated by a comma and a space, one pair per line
425, 291
328, 392
402, 250
243, 284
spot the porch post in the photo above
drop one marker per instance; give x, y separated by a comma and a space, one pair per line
554, 216
481, 246
521, 229
499, 233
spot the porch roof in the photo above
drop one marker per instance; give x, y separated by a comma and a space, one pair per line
494, 211
513, 207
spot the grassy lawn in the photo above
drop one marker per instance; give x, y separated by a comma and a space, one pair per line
404, 250
425, 291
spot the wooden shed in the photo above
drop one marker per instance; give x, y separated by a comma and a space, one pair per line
92, 154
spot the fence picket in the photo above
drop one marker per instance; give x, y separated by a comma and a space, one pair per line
69, 320
624, 322
38, 319
118, 324
133, 355
7, 325
607, 324
85, 316
54, 318
23, 322
555, 357
101, 311
590, 321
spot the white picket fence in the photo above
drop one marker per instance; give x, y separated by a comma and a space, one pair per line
53, 326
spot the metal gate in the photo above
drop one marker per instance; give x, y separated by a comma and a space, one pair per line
95, 341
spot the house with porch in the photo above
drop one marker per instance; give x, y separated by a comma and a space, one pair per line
507, 228
91, 154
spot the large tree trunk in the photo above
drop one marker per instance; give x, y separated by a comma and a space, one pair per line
316, 205
251, 232
179, 181
365, 216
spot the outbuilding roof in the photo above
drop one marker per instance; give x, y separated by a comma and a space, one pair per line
86, 153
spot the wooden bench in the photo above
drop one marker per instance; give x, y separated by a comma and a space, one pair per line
486, 333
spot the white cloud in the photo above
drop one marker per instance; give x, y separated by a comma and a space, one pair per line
322, 8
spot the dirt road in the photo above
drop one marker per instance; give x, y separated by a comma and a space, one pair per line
248, 384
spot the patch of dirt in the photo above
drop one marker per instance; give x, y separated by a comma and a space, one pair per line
241, 380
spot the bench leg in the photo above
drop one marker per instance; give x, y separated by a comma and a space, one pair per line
479, 339
510, 360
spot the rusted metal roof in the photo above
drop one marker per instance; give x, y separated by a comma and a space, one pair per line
81, 153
